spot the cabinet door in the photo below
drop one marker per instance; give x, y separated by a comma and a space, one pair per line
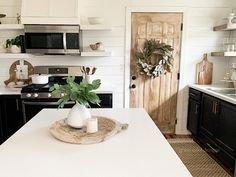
226, 130
106, 101
64, 8
209, 118
11, 112
193, 116
1, 127
35, 8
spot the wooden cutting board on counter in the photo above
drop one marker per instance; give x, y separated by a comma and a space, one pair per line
204, 71
13, 72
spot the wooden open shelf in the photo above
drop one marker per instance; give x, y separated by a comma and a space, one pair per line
223, 54
225, 27
95, 27
11, 27
17, 56
96, 54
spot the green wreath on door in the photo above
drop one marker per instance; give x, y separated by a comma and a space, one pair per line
155, 59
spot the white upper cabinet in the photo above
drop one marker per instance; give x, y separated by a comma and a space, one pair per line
49, 12
63, 8
35, 8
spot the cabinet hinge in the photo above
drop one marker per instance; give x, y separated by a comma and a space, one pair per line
181, 27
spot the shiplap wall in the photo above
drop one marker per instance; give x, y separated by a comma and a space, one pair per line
198, 39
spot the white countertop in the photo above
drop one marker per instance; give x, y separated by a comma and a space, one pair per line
139, 151
207, 89
9, 91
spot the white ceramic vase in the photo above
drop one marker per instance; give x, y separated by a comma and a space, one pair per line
15, 49
78, 115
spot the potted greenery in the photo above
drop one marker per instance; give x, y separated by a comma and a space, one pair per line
14, 45
82, 94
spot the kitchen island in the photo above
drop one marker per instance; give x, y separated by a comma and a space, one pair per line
139, 151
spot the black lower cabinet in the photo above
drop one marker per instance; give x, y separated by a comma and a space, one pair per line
193, 111
226, 130
217, 129
10, 115
1, 130
209, 120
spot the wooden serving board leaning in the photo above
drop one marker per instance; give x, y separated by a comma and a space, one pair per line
204, 71
106, 128
13, 69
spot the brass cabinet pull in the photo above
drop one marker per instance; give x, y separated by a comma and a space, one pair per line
213, 107
192, 94
196, 109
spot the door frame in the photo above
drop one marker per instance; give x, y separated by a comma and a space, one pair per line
180, 98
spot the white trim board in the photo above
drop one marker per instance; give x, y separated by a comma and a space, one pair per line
180, 100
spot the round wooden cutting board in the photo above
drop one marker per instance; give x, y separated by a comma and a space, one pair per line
106, 128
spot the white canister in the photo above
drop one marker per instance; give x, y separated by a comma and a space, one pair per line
92, 125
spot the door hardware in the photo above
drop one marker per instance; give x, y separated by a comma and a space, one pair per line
133, 86
133, 77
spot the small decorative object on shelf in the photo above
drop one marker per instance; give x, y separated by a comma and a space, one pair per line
97, 46
2, 16
14, 45
18, 18
82, 94
155, 58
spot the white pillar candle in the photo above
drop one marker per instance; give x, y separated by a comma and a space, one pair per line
92, 125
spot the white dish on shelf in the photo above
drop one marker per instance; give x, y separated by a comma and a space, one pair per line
95, 20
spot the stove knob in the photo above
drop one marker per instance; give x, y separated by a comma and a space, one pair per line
36, 95
49, 95
62, 94
28, 95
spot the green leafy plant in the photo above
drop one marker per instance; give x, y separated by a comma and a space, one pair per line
82, 93
15, 41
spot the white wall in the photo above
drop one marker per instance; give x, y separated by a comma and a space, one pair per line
198, 38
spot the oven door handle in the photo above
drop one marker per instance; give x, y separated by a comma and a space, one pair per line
46, 103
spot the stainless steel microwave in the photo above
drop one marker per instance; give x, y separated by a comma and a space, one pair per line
52, 39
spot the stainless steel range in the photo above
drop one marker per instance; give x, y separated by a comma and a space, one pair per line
35, 97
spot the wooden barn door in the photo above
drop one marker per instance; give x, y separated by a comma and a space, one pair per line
157, 96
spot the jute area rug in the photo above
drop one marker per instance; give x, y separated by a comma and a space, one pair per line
198, 162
